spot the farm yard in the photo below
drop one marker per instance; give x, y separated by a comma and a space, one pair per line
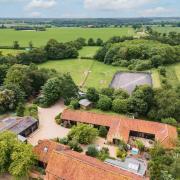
40, 38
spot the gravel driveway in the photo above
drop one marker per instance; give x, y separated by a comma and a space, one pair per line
48, 129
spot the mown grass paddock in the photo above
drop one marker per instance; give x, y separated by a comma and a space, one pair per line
129, 80
40, 38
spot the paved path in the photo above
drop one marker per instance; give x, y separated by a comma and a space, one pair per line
48, 129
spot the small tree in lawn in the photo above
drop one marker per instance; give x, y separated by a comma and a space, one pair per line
84, 134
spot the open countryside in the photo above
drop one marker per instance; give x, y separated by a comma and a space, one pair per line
39, 38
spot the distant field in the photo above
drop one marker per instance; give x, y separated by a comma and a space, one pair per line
167, 29
61, 34
10, 51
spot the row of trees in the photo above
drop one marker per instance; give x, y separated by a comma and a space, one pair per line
138, 54
161, 105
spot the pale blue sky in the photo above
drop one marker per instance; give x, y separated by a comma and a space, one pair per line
89, 8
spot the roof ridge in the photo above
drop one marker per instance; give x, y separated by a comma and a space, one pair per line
94, 165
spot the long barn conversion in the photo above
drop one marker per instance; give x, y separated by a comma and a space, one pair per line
121, 128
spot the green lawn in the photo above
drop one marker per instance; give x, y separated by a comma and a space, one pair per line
88, 51
10, 51
39, 38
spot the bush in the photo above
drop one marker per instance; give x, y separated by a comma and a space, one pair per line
139, 144
162, 71
92, 94
103, 154
121, 154
170, 121
107, 92
92, 151
120, 105
74, 145
32, 110
104, 103
83, 133
74, 104
103, 131
64, 141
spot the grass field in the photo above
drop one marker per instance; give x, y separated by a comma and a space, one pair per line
100, 75
156, 78
88, 51
61, 34
167, 29
10, 51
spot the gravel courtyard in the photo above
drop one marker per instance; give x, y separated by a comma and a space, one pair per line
48, 129
128, 81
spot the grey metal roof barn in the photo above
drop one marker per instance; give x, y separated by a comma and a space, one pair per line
85, 102
20, 126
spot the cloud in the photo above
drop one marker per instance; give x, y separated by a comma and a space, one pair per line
115, 4
41, 4
158, 11
35, 14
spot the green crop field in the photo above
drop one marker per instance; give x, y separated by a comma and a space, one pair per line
167, 29
39, 38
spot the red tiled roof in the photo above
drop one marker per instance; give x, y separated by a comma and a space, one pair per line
50, 146
70, 165
120, 126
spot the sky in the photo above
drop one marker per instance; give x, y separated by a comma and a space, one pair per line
89, 8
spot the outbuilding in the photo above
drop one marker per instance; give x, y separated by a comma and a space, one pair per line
85, 104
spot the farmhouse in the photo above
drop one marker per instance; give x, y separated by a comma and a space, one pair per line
20, 126
63, 163
121, 128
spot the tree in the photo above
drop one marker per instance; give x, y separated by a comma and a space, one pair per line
107, 91
99, 42
104, 103
92, 94
84, 134
3, 71
7, 100
18, 75
92, 151
120, 94
120, 105
74, 104
15, 157
91, 42
52, 91
16, 45
20, 110
103, 131
170, 121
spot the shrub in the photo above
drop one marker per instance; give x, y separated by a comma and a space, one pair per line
162, 71
121, 154
139, 144
92, 94
92, 151
103, 154
64, 141
74, 104
170, 121
120, 105
107, 91
32, 110
83, 133
103, 131
104, 103
74, 145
